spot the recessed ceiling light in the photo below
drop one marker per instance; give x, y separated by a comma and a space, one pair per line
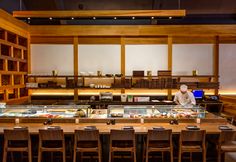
115, 18
133, 18
72, 18
170, 17
50, 18
94, 18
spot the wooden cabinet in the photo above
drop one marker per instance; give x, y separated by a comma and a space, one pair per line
13, 66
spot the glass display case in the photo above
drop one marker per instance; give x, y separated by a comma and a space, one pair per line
45, 111
156, 111
113, 111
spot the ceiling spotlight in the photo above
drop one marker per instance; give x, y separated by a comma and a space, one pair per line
170, 17
72, 18
94, 18
152, 17
133, 18
50, 18
115, 18
28, 18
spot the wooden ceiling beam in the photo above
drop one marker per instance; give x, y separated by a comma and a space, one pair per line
100, 13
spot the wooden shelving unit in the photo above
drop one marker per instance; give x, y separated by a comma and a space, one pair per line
127, 82
13, 66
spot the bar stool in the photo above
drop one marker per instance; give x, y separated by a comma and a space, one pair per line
87, 141
51, 140
159, 141
192, 141
227, 142
17, 140
122, 141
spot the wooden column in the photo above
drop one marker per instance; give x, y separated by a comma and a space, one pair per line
216, 61
76, 69
122, 61
170, 42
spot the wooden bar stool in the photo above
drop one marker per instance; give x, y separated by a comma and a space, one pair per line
87, 141
51, 140
227, 143
192, 141
17, 140
122, 141
159, 141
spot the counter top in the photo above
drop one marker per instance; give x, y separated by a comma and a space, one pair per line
103, 128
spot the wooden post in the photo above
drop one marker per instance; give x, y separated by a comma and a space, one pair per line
122, 61
76, 67
216, 62
170, 43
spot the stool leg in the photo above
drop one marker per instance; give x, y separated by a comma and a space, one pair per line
74, 156
29, 152
99, 156
4, 155
180, 153
162, 156
171, 155
204, 155
146, 156
39, 156
110, 156
135, 156
64, 155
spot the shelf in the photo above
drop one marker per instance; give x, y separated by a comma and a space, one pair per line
12, 86
13, 66
12, 72
12, 44
5, 50
13, 59
11, 37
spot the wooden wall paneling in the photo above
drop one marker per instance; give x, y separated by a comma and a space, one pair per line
76, 66
216, 61
229, 39
29, 54
12, 24
52, 40
123, 62
99, 40
193, 40
170, 46
100, 13
133, 30
146, 40
122, 43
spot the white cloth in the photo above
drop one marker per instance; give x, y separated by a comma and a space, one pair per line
185, 99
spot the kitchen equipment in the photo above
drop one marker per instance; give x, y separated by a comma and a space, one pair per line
105, 96
123, 97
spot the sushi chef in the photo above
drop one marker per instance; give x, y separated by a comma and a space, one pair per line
184, 97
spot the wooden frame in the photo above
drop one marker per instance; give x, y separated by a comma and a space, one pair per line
100, 13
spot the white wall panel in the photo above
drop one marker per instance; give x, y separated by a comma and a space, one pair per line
146, 57
227, 68
189, 57
105, 58
45, 58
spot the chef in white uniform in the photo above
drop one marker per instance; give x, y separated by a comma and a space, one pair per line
184, 97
